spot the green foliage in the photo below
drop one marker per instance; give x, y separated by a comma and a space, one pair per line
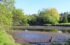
50, 16
64, 24
6, 8
19, 18
32, 20
68, 18
6, 23
9, 4
65, 18
5, 17
54, 30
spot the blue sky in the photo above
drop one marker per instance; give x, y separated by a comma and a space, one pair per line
33, 6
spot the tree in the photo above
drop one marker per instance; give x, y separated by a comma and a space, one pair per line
5, 17
68, 17
6, 8
5, 24
9, 4
19, 18
32, 20
65, 17
49, 16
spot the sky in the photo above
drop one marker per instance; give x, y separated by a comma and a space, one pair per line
33, 6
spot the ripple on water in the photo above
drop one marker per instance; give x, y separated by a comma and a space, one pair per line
42, 37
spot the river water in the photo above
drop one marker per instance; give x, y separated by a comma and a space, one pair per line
41, 38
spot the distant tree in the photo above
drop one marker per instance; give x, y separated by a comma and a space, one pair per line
49, 16
64, 17
19, 18
32, 20
68, 17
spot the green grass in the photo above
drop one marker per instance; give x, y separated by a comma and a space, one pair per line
53, 30
6, 39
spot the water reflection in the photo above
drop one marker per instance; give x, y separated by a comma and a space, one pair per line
42, 38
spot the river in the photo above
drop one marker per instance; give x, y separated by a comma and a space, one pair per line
39, 38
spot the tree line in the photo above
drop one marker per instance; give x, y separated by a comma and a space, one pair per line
43, 17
